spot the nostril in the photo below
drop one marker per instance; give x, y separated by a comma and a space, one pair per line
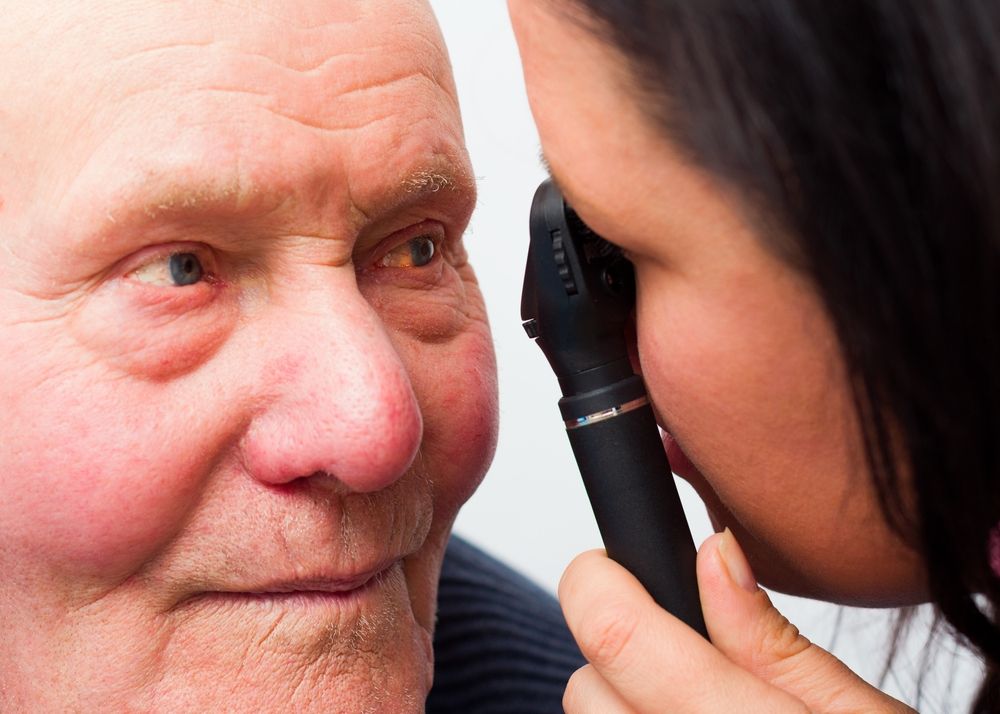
324, 481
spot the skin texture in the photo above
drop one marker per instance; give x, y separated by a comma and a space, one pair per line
231, 495
744, 371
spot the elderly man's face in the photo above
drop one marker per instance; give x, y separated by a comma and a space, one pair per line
245, 373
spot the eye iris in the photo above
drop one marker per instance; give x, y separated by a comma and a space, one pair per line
185, 269
421, 251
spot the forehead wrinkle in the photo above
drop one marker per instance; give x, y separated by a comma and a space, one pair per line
416, 42
343, 91
355, 104
311, 48
215, 50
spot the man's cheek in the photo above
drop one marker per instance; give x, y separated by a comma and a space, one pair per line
98, 483
456, 386
156, 334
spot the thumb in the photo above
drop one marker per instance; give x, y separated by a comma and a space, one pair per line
746, 627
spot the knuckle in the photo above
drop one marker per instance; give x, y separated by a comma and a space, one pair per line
780, 640
606, 632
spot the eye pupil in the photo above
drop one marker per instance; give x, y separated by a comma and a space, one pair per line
185, 269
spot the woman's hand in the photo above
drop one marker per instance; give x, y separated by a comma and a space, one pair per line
643, 659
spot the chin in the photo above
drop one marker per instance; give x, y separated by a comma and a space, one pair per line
898, 581
842, 582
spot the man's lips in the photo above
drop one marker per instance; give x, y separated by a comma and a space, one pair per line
318, 584
313, 586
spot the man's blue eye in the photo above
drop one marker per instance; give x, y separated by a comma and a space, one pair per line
185, 269
414, 253
177, 270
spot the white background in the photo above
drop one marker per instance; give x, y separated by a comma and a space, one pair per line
532, 510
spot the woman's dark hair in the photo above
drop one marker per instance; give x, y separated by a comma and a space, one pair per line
866, 135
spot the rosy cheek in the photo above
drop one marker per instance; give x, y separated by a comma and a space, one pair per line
440, 332
102, 478
88, 502
109, 458
456, 386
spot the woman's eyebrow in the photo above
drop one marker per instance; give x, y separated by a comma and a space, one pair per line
544, 161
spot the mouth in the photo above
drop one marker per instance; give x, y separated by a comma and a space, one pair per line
313, 589
680, 464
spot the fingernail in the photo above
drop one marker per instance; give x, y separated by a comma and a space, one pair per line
736, 562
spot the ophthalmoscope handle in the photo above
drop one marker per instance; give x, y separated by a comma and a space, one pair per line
638, 511
577, 301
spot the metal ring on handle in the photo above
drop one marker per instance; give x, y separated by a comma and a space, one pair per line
607, 413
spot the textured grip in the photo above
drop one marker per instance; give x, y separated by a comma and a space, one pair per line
638, 511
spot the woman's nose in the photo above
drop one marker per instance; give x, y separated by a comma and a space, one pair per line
336, 400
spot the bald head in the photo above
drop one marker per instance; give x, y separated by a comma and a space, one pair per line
245, 368
99, 96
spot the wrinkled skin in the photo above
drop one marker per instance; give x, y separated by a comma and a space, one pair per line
232, 494
736, 347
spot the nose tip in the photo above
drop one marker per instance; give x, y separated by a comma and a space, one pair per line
378, 441
361, 425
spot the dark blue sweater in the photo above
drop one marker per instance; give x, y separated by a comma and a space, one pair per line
501, 645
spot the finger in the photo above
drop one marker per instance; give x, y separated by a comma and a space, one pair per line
588, 693
745, 626
651, 659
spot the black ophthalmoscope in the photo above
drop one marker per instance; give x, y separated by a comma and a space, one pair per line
578, 296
